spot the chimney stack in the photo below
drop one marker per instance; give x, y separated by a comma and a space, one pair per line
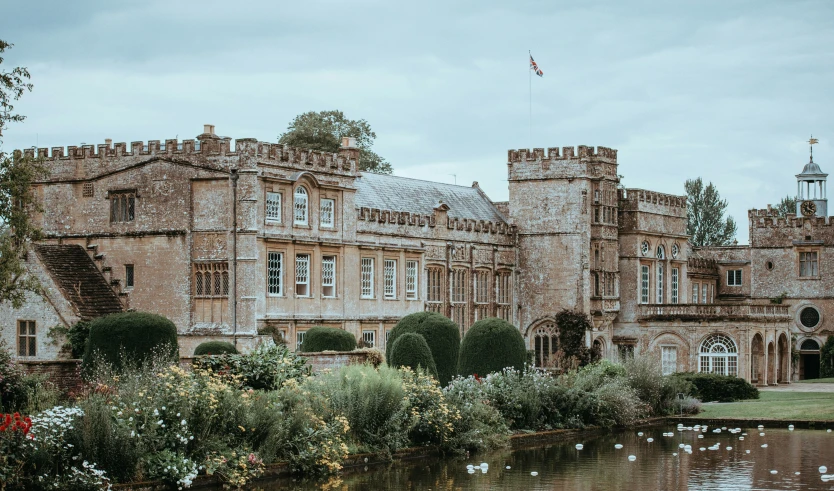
349, 150
108, 142
208, 133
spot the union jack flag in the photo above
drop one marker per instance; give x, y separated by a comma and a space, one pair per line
535, 67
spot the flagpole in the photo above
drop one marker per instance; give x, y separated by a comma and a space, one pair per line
530, 79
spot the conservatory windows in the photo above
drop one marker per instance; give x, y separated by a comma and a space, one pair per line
718, 354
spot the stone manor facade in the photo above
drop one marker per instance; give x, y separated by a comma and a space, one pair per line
246, 240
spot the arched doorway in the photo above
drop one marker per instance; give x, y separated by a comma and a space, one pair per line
718, 354
771, 363
809, 360
757, 362
784, 373
599, 348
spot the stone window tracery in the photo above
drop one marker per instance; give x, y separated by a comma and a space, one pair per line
434, 289
644, 248
504, 295
545, 344
483, 285
458, 289
211, 291
718, 354
809, 317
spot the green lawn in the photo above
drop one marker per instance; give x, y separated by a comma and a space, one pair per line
776, 405
829, 380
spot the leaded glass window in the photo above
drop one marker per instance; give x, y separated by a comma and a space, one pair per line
274, 273
367, 277
326, 212
718, 354
300, 206
302, 275
273, 207
411, 279
390, 277
328, 276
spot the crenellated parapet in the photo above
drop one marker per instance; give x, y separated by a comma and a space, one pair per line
635, 197
567, 153
392, 217
88, 161
770, 218
569, 163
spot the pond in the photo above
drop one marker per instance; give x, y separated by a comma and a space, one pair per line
729, 461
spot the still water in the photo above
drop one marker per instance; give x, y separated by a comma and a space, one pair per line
661, 464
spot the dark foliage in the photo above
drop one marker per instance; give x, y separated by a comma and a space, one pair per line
129, 337
489, 346
710, 387
572, 327
327, 339
827, 358
214, 348
442, 336
411, 350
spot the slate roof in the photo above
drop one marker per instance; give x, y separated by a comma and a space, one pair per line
79, 279
416, 196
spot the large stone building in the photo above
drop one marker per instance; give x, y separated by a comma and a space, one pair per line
255, 239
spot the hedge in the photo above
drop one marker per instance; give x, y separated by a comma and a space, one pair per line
710, 387
215, 348
491, 345
411, 350
442, 336
327, 339
136, 335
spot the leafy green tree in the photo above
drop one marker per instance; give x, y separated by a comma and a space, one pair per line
706, 224
17, 201
787, 206
323, 131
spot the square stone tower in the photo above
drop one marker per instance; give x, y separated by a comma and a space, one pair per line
565, 208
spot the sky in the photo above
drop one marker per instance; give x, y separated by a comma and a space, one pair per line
726, 90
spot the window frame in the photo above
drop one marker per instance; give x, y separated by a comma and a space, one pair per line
130, 276
369, 333
675, 293
277, 205
122, 206
412, 279
659, 293
666, 361
332, 222
814, 264
645, 284
276, 273
738, 279
299, 338
366, 277
389, 279
301, 193
326, 262
303, 257
29, 338
696, 292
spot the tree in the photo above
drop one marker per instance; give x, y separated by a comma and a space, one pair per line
323, 131
706, 224
17, 201
786, 207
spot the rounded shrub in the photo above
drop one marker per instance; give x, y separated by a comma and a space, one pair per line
215, 348
827, 358
710, 387
327, 339
129, 337
489, 346
442, 336
411, 350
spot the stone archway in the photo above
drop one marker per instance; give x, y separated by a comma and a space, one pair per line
784, 372
771, 363
809, 359
757, 360
599, 347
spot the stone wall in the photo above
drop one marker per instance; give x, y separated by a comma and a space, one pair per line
65, 374
332, 360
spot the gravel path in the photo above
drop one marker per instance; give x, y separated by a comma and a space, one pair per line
800, 388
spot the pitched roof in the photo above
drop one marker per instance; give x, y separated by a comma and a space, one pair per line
79, 279
416, 196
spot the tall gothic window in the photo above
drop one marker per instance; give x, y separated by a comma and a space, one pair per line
483, 285
300, 207
434, 289
504, 295
545, 344
458, 292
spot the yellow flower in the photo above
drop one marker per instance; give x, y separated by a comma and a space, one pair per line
241, 428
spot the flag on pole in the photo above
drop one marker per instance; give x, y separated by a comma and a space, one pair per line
535, 67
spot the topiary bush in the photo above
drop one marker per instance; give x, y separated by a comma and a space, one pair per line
327, 339
827, 358
129, 338
215, 348
442, 336
489, 346
411, 350
710, 387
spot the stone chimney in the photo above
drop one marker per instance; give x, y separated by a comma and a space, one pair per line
349, 150
108, 142
208, 133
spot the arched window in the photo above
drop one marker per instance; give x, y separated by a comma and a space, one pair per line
545, 343
661, 252
300, 206
718, 354
810, 345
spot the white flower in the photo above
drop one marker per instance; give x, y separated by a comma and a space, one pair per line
159, 422
183, 422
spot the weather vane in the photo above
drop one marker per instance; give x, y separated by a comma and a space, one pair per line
813, 141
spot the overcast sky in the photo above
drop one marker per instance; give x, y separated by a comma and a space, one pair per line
726, 90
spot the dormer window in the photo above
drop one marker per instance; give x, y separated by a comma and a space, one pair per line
300, 206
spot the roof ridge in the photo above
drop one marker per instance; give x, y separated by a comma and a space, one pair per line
416, 179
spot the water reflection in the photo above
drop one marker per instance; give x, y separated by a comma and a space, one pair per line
601, 466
